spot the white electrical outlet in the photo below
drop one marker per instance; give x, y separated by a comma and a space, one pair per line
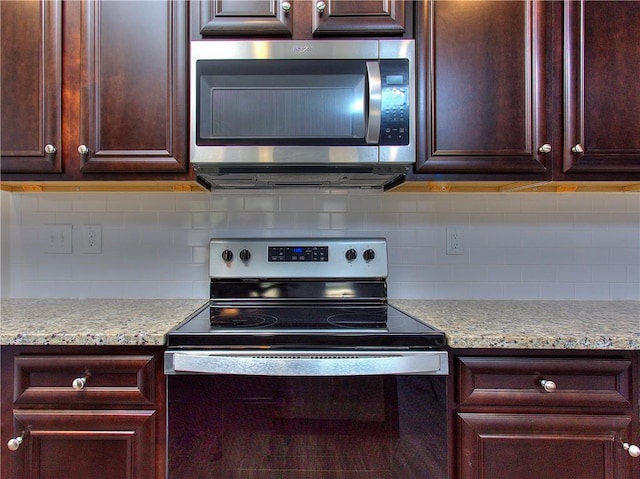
91, 238
57, 239
455, 241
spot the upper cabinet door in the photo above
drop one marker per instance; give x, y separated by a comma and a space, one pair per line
298, 19
359, 17
251, 18
602, 89
133, 87
484, 87
31, 59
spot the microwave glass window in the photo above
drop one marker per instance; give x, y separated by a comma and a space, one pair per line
285, 106
281, 99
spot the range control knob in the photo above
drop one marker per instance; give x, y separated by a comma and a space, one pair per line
227, 256
351, 254
245, 255
369, 255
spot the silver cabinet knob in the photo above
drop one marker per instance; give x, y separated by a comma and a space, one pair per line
14, 443
578, 149
286, 7
79, 383
546, 148
548, 385
634, 451
49, 149
321, 6
83, 150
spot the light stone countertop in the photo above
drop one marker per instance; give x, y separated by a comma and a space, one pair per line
606, 325
105, 322
468, 324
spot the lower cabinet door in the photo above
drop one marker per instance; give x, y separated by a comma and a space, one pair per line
542, 446
85, 444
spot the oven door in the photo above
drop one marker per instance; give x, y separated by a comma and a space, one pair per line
306, 427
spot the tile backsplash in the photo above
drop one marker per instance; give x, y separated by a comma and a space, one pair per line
155, 245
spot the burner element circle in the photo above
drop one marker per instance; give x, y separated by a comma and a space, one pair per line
233, 318
359, 318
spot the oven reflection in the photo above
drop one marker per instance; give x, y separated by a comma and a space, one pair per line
247, 427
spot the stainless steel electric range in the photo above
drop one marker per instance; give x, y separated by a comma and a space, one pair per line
299, 368
302, 307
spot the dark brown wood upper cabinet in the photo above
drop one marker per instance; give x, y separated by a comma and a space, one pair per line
602, 90
133, 104
484, 95
359, 17
244, 18
298, 19
31, 90
94, 87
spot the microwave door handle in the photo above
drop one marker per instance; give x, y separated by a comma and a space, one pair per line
375, 103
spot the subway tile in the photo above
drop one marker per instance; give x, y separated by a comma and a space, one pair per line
524, 246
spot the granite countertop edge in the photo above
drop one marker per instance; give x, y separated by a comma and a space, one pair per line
500, 324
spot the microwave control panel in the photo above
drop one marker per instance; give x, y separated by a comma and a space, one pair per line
394, 125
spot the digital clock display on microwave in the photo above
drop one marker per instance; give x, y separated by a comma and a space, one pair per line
298, 253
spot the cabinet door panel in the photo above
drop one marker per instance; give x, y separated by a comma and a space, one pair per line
602, 65
535, 446
91, 444
31, 92
360, 17
484, 87
244, 18
133, 105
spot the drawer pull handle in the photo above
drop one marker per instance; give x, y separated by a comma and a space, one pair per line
79, 383
548, 385
634, 451
14, 443
546, 148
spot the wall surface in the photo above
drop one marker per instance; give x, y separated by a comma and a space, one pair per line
154, 245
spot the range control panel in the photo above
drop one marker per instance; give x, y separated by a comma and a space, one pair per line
258, 258
298, 253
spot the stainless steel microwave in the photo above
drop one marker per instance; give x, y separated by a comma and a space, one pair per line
332, 113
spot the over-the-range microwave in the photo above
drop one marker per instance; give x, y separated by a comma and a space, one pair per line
318, 113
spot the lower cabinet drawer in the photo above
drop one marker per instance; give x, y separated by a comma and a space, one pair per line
491, 381
84, 380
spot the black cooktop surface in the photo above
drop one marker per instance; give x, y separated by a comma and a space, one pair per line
304, 326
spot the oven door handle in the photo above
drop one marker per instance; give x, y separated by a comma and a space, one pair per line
306, 363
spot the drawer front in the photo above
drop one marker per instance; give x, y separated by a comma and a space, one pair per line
108, 380
525, 382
